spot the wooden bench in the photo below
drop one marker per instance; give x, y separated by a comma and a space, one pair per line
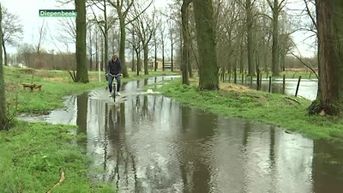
32, 86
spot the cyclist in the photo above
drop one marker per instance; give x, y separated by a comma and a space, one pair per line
114, 71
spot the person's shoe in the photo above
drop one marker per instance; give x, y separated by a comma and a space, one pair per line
118, 94
110, 94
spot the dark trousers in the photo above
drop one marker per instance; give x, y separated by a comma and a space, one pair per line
110, 81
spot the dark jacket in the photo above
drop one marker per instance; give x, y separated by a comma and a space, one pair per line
114, 67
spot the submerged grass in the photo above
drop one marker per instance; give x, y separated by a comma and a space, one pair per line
238, 101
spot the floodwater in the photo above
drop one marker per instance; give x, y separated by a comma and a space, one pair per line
148, 143
307, 88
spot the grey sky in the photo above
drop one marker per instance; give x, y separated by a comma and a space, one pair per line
28, 14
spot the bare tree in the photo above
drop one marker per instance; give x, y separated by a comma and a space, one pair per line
133, 43
155, 51
104, 22
123, 7
12, 31
276, 6
41, 37
162, 30
90, 45
67, 30
172, 44
228, 37
96, 50
137, 48
145, 29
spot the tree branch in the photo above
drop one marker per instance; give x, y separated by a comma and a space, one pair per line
304, 63
138, 15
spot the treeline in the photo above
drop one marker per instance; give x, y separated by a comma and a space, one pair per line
246, 39
61, 61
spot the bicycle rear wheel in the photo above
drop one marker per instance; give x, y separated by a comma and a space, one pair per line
114, 92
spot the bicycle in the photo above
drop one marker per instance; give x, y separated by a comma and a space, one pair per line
114, 84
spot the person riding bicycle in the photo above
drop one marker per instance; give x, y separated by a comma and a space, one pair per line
114, 71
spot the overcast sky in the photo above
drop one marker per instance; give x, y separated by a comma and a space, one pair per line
28, 15
28, 10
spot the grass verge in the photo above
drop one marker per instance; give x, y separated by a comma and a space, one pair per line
32, 155
239, 101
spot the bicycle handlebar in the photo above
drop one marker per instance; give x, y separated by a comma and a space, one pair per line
109, 74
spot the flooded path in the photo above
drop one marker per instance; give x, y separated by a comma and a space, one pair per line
150, 143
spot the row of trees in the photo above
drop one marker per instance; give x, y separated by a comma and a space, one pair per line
127, 13
141, 29
328, 22
131, 17
250, 35
104, 33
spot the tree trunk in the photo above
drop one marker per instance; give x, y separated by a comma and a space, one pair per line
106, 49
249, 23
138, 56
186, 41
5, 53
171, 51
96, 52
81, 49
90, 50
106, 35
103, 62
163, 60
133, 64
330, 34
275, 46
241, 61
181, 43
208, 69
190, 71
122, 46
3, 117
155, 64
146, 55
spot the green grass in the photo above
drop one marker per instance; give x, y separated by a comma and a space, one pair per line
264, 107
32, 155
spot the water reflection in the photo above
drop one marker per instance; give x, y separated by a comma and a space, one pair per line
150, 143
153, 144
327, 167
